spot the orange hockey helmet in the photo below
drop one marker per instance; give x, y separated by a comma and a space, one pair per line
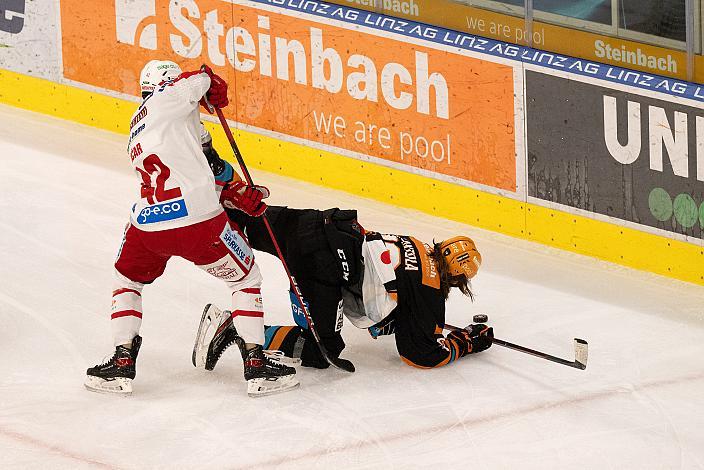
461, 255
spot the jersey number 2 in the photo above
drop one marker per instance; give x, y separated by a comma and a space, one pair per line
152, 164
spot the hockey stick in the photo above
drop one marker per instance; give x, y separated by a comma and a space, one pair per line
580, 351
346, 366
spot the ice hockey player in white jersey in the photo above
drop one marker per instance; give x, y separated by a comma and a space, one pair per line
180, 214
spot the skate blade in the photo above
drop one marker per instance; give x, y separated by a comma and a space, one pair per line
209, 323
280, 357
119, 386
262, 387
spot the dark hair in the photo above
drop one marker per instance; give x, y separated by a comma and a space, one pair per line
447, 280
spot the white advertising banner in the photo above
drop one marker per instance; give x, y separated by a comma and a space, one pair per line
29, 37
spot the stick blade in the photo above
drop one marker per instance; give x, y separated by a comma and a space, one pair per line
581, 353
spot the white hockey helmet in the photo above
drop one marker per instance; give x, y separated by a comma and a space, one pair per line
155, 72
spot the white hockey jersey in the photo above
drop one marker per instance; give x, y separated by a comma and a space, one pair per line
381, 256
178, 187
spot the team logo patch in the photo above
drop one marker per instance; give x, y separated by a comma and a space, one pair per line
237, 246
225, 269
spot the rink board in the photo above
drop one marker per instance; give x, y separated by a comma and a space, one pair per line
481, 173
547, 31
576, 233
640, 158
30, 38
404, 103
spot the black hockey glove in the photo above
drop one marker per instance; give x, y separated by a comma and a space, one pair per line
478, 337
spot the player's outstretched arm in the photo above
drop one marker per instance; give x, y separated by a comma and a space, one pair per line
459, 343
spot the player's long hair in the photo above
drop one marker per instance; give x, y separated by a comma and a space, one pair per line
448, 281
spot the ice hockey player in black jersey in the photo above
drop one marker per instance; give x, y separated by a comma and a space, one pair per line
390, 284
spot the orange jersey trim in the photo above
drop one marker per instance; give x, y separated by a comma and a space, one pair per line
279, 337
429, 270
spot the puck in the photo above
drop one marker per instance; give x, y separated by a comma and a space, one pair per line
480, 318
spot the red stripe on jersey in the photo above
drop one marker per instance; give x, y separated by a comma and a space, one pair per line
186, 75
126, 313
247, 313
125, 291
220, 183
252, 290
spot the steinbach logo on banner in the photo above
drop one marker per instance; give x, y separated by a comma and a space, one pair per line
619, 154
12, 16
135, 22
320, 80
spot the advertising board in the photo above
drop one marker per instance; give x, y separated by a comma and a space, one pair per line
415, 105
617, 153
549, 36
29, 38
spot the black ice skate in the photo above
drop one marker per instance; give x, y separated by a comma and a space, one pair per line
217, 325
265, 376
215, 334
115, 375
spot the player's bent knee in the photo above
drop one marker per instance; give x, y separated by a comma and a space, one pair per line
121, 281
253, 279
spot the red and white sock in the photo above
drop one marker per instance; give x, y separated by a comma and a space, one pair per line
126, 310
248, 308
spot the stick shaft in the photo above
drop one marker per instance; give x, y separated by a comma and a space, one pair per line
532, 352
267, 224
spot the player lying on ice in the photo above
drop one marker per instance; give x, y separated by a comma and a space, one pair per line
180, 214
390, 284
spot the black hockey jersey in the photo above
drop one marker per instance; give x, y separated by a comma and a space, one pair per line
418, 317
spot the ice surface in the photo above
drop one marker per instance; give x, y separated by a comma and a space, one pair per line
66, 194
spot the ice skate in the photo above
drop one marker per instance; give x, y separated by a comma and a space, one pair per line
280, 357
216, 333
115, 376
266, 377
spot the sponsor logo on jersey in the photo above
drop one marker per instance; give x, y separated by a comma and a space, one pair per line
134, 133
140, 115
429, 270
169, 210
238, 246
12, 16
